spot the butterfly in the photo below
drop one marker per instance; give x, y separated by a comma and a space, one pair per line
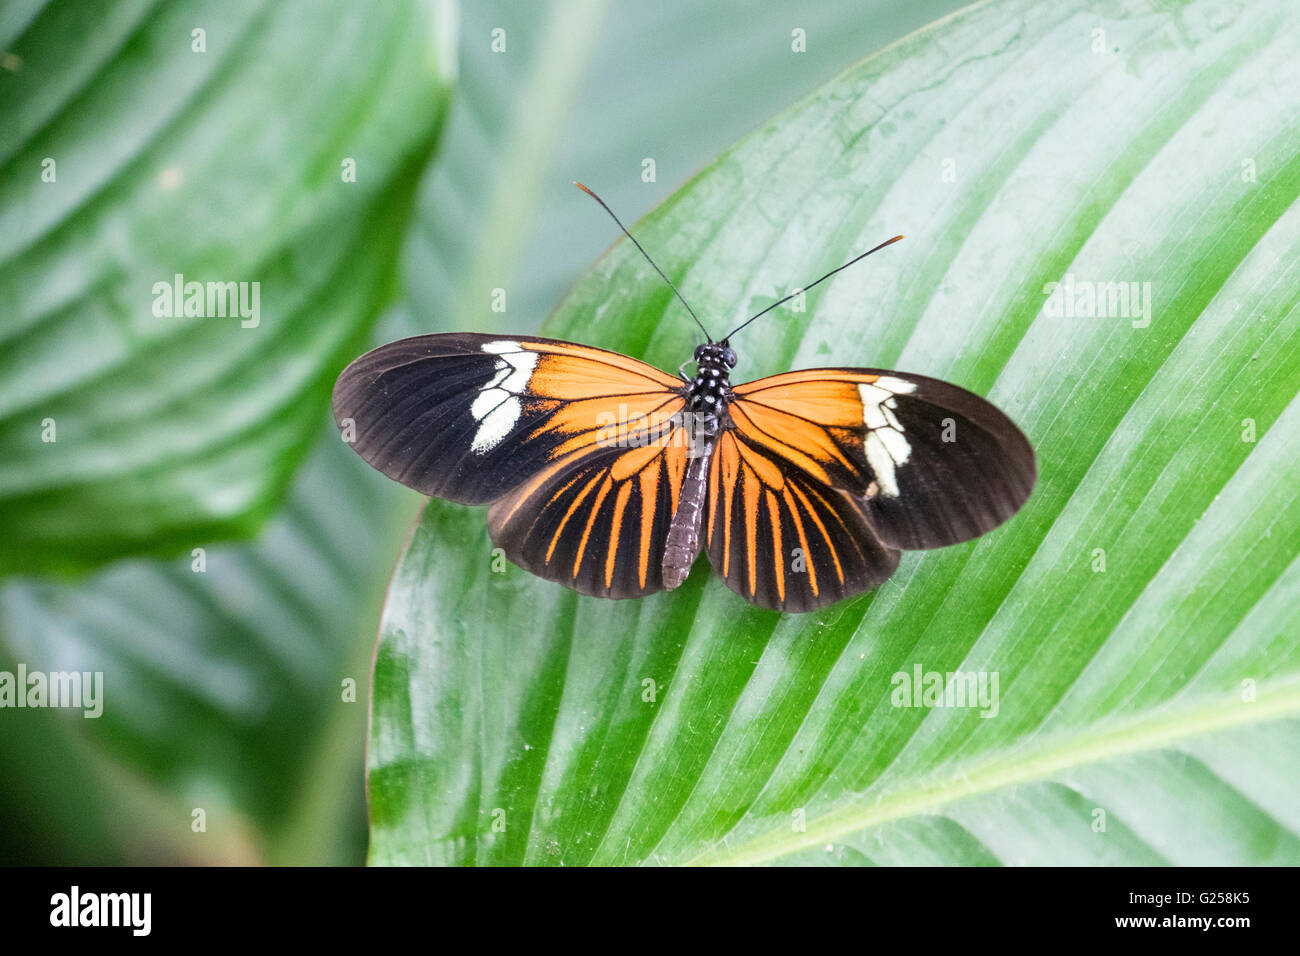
609, 476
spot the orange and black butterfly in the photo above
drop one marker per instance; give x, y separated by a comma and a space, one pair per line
609, 476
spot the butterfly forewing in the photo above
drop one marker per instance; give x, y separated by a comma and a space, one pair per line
470, 417
936, 464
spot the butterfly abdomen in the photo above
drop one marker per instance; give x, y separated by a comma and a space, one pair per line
683, 544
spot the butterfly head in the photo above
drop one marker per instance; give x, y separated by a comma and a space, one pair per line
715, 355
711, 389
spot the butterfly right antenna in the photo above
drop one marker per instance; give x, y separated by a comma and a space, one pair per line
887, 242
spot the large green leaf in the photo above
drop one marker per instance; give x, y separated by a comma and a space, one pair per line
1139, 613
140, 141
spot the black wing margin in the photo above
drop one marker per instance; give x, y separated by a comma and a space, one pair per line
968, 468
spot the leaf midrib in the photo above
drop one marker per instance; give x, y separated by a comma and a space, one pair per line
1153, 730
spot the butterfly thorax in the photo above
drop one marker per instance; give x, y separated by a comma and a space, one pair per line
710, 390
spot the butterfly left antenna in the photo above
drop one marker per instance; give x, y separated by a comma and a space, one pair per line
647, 259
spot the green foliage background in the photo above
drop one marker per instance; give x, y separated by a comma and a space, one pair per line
224, 688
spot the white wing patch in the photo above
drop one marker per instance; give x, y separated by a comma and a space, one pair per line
885, 445
497, 407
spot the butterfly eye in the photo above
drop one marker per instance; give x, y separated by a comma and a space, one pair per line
699, 351
729, 356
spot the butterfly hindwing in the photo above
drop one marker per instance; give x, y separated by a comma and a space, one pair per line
596, 521
782, 537
469, 417
936, 464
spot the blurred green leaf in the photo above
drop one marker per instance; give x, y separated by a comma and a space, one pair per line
141, 141
224, 688
590, 90
1015, 145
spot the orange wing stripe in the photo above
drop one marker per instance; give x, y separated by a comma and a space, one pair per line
675, 463
750, 490
803, 443
806, 376
649, 497
527, 490
633, 460
762, 466
803, 540
625, 420
830, 545
778, 550
848, 532
616, 531
591, 519
571, 356
729, 464
555, 538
